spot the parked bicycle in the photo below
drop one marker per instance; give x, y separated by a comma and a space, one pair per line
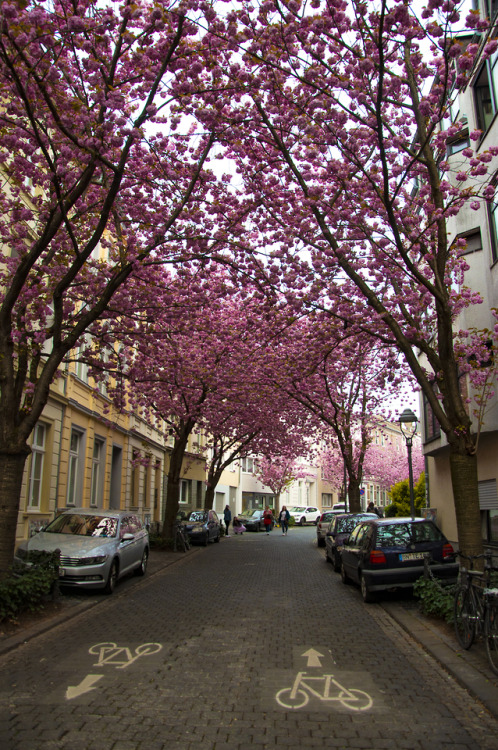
180, 539
476, 606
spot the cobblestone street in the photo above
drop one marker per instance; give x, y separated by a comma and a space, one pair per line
252, 643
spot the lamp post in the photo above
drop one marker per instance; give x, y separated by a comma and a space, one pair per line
408, 425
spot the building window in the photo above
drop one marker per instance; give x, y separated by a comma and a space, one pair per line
458, 143
97, 472
247, 465
74, 467
431, 425
490, 8
474, 241
37, 460
326, 500
184, 491
484, 98
493, 226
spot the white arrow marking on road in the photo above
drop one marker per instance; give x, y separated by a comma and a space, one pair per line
313, 657
85, 686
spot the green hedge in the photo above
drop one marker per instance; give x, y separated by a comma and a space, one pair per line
27, 589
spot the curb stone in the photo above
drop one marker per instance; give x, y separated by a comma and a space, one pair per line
158, 561
469, 668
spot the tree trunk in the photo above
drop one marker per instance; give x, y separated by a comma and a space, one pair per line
354, 495
11, 475
464, 481
173, 486
209, 496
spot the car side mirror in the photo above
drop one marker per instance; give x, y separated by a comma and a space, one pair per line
127, 537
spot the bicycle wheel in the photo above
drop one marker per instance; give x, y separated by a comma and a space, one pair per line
301, 698
356, 700
491, 636
464, 617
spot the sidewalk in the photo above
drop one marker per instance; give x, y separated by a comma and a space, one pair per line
469, 668
78, 602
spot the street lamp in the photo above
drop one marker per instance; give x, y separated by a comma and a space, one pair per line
408, 425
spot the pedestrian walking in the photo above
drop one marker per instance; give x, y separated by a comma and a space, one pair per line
227, 517
283, 518
268, 519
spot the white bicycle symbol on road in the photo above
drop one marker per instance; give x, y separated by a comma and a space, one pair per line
121, 656
299, 694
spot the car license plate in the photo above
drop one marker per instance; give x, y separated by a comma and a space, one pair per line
411, 556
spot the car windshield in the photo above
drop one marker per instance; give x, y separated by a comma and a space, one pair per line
297, 509
83, 525
197, 515
405, 534
249, 513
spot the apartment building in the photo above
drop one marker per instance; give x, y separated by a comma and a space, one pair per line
476, 105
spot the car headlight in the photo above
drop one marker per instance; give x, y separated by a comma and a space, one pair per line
97, 560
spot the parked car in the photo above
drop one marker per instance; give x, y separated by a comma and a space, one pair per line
339, 508
305, 514
322, 526
338, 531
252, 520
97, 547
203, 526
388, 553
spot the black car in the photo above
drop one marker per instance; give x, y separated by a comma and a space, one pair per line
388, 553
252, 520
338, 531
322, 526
203, 526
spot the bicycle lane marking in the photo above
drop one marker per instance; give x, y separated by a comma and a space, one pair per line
108, 657
315, 684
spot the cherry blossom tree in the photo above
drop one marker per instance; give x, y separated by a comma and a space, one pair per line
278, 473
386, 464
344, 379
99, 176
340, 145
193, 358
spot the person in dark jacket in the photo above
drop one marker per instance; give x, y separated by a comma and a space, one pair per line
227, 517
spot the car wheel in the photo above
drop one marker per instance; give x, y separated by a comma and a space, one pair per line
302, 521
327, 558
320, 541
206, 539
217, 538
344, 576
367, 595
112, 578
142, 568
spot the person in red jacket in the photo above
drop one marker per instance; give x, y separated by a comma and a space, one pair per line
268, 519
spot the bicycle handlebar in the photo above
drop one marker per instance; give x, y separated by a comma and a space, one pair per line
487, 556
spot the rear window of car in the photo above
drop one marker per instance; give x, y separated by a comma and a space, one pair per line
196, 515
402, 535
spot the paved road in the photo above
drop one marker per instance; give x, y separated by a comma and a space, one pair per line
204, 655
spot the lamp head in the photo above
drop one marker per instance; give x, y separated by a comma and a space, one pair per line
408, 424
